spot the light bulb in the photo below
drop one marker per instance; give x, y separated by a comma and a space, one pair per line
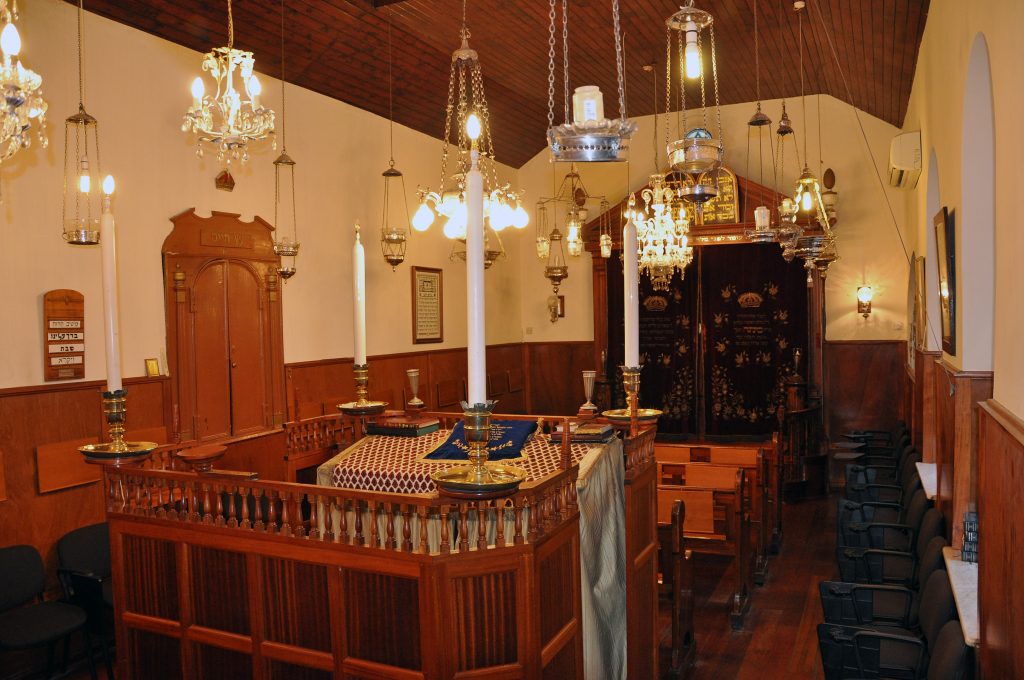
10, 41
473, 126
805, 201
423, 218
254, 91
455, 227
84, 183
543, 247
108, 185
691, 53
520, 218
501, 215
198, 89
864, 294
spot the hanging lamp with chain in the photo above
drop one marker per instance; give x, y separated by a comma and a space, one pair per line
502, 206
394, 222
589, 136
233, 118
759, 124
286, 245
80, 202
22, 88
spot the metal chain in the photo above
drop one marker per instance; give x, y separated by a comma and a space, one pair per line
654, 137
618, 59
682, 83
703, 96
565, 57
803, 98
284, 127
447, 125
391, 97
668, 83
757, 61
551, 64
81, 71
714, 75
231, 27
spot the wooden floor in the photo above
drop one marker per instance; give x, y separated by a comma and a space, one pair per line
779, 637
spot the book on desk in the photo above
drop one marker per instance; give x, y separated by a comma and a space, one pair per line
404, 426
584, 433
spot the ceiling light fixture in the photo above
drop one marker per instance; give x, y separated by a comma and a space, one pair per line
285, 246
80, 202
23, 95
233, 118
394, 221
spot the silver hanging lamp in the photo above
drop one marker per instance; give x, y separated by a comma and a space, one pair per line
286, 245
80, 203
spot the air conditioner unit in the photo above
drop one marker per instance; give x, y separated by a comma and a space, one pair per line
905, 159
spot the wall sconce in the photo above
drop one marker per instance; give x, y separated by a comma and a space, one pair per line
864, 295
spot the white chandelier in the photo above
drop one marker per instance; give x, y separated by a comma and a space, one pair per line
233, 117
662, 233
23, 98
470, 117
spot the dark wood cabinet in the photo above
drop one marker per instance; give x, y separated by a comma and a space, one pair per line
224, 335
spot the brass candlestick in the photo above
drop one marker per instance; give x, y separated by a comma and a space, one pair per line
117, 450
632, 416
362, 405
479, 478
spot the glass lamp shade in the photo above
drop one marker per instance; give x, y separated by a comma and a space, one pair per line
606, 245
80, 208
587, 105
286, 246
556, 270
394, 227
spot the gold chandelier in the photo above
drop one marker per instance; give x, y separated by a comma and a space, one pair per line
502, 206
232, 118
21, 87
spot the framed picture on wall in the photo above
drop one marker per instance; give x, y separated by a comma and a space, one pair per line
427, 305
945, 255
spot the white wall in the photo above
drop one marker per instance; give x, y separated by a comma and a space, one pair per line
138, 88
869, 245
937, 105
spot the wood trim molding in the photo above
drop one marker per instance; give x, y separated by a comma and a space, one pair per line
1013, 424
23, 390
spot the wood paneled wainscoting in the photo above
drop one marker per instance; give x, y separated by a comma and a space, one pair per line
957, 396
1000, 540
923, 420
864, 384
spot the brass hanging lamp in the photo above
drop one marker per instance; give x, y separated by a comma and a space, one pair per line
394, 223
80, 203
286, 245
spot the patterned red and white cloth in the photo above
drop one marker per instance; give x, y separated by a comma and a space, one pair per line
393, 465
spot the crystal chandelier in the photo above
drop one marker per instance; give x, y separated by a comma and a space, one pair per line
502, 206
232, 118
662, 234
23, 97
286, 246
589, 136
394, 222
80, 205
697, 152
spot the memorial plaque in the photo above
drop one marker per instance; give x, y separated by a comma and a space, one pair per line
427, 305
63, 335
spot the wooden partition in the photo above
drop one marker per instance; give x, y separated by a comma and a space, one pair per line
923, 421
957, 395
272, 580
864, 381
1000, 540
641, 556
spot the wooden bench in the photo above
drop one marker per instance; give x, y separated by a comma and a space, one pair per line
761, 467
677, 579
716, 522
310, 443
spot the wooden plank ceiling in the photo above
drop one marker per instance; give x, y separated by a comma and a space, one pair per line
339, 48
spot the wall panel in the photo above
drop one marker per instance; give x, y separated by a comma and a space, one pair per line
864, 383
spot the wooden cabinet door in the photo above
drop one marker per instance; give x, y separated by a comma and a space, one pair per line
246, 351
210, 337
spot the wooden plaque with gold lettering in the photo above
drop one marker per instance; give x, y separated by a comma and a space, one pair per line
63, 335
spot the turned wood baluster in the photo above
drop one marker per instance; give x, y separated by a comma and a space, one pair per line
233, 495
481, 524
446, 546
330, 529
246, 524
423, 514
161, 506
271, 511
533, 512
257, 510
207, 517
218, 494
314, 525
391, 544
359, 521
375, 537
344, 522
517, 537
286, 524
463, 527
499, 523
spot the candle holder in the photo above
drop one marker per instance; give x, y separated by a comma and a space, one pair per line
414, 404
632, 416
588, 409
480, 478
116, 451
362, 406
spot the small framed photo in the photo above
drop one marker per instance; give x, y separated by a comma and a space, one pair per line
152, 368
945, 250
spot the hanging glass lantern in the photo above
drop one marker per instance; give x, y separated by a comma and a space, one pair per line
574, 232
543, 243
556, 269
394, 224
286, 245
80, 205
605, 227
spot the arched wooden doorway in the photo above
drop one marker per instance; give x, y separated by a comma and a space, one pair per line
224, 334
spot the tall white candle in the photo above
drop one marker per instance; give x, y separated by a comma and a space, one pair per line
108, 259
359, 300
477, 343
631, 294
